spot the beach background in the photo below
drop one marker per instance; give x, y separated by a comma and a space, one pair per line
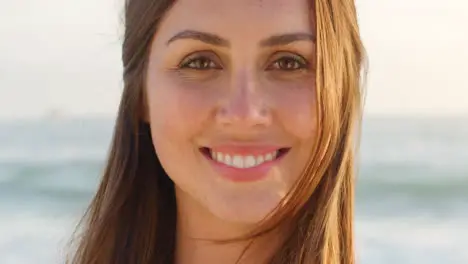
60, 83
412, 189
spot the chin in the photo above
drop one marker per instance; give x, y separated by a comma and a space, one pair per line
243, 207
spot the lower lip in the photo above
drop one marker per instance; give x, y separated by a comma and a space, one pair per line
252, 174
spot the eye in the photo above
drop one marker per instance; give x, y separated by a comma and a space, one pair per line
199, 62
289, 62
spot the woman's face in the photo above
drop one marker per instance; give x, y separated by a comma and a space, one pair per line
232, 102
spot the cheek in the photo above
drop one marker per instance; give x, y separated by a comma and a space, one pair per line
297, 110
177, 108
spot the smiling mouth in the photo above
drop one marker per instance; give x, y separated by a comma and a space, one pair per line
244, 161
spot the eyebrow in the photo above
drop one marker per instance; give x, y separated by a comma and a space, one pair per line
213, 39
285, 39
209, 38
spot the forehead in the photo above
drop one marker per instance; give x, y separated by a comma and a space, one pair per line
251, 19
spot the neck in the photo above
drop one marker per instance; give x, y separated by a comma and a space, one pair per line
199, 231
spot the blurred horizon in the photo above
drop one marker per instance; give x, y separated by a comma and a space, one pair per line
56, 115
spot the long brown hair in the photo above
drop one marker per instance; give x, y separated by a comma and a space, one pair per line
132, 218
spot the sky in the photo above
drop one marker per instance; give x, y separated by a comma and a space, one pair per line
65, 54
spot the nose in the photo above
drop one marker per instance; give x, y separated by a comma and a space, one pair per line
245, 105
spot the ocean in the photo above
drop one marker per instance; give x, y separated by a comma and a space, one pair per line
411, 196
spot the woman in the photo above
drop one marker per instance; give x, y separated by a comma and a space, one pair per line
234, 141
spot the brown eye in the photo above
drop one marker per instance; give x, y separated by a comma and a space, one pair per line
288, 63
199, 63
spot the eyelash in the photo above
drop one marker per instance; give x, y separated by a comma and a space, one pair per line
300, 63
201, 58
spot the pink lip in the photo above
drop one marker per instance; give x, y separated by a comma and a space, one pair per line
252, 174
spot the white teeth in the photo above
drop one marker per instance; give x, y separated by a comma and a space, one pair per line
249, 162
219, 157
227, 159
239, 161
260, 159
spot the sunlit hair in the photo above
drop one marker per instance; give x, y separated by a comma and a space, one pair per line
132, 218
